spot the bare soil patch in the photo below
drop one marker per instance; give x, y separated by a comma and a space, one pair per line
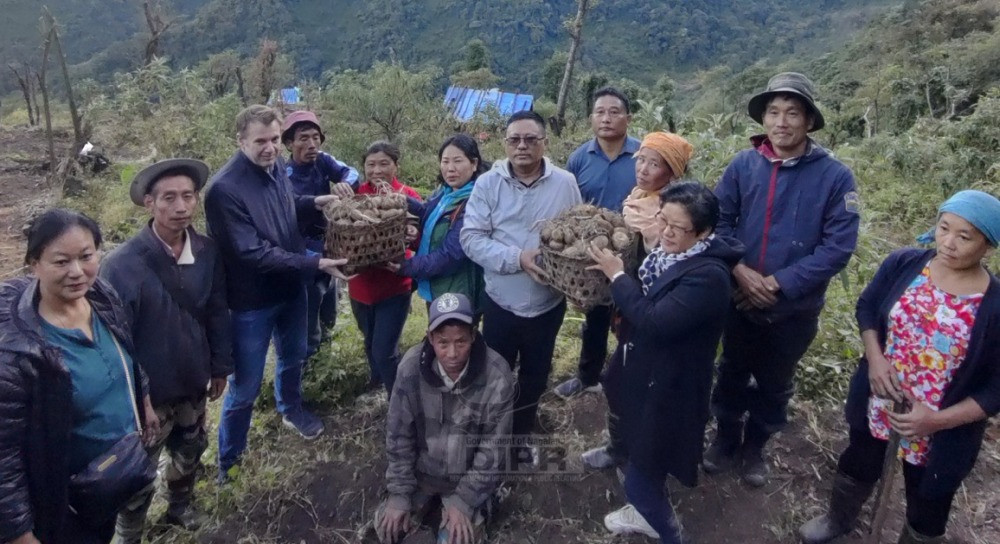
337, 496
23, 191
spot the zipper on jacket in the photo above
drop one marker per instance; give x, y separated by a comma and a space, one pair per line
772, 187
625, 353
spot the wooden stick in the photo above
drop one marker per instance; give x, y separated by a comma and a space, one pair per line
883, 496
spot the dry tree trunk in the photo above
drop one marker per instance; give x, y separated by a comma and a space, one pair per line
24, 81
576, 33
46, 46
157, 27
78, 135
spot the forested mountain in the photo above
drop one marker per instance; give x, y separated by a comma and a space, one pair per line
638, 39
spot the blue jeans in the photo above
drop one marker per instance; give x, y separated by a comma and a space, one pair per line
650, 498
252, 334
322, 297
382, 324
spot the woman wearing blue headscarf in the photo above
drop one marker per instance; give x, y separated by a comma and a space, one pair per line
440, 264
930, 372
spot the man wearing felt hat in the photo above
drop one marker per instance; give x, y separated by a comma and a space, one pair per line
795, 208
447, 429
171, 281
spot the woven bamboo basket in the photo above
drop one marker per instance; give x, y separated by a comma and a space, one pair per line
365, 242
567, 269
568, 275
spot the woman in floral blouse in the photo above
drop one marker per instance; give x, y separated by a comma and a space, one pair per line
931, 371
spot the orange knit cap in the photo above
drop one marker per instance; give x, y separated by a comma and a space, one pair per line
675, 150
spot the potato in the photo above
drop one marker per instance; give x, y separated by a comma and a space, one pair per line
600, 241
558, 235
572, 252
619, 240
546, 233
569, 236
556, 246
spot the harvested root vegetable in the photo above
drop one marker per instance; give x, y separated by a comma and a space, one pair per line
564, 243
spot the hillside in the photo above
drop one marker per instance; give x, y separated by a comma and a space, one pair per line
638, 39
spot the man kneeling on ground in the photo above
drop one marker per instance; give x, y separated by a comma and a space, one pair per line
449, 416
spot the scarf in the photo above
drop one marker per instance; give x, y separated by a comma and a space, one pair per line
659, 261
639, 212
448, 198
979, 208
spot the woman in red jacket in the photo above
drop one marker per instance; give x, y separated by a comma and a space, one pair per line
380, 299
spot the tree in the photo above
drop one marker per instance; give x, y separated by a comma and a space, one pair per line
25, 81
389, 97
156, 25
575, 29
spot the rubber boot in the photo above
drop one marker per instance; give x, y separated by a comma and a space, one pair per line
722, 453
753, 465
910, 536
846, 499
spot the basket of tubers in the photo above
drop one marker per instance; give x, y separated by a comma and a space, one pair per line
366, 230
564, 242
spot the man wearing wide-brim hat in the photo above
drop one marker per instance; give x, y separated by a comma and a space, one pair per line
795, 208
171, 281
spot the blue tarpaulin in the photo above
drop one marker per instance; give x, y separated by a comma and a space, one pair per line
291, 95
465, 103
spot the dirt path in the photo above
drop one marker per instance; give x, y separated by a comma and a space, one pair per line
23, 193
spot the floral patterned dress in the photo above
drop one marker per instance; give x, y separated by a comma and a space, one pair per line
928, 338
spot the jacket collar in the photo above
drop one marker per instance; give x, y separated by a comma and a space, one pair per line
507, 173
762, 144
18, 306
151, 240
475, 368
272, 174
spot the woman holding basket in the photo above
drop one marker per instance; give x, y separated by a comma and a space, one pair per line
380, 298
440, 264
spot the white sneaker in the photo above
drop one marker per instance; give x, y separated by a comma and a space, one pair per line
597, 458
628, 520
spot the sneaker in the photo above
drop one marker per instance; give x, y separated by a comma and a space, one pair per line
573, 387
304, 423
754, 469
597, 458
628, 520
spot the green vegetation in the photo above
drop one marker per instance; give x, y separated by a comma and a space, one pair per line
912, 105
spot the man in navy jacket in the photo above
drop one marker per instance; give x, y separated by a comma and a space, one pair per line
795, 208
315, 173
251, 213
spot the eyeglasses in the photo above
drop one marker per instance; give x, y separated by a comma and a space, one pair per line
672, 227
530, 141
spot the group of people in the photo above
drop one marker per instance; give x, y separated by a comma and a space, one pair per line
105, 363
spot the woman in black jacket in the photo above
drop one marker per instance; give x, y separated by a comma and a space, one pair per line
64, 396
930, 372
673, 313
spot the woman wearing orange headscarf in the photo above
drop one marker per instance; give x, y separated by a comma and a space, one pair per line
662, 158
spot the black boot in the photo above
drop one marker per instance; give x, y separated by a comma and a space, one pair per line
909, 536
721, 455
753, 465
846, 499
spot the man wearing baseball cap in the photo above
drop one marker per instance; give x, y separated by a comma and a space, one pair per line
171, 281
795, 208
449, 420
315, 173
